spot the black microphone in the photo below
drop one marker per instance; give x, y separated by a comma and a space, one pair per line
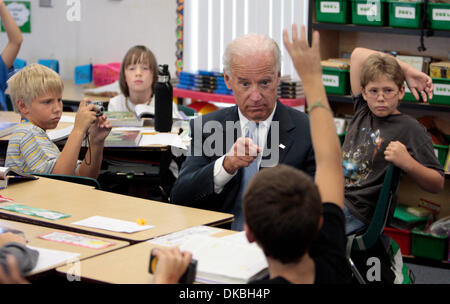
163, 100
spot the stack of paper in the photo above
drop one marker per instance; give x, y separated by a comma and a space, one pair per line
226, 261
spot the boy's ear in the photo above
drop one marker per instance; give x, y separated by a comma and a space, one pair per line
249, 234
363, 93
401, 92
22, 106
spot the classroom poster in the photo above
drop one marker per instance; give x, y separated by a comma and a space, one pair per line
21, 12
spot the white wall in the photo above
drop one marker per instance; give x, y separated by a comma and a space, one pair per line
107, 29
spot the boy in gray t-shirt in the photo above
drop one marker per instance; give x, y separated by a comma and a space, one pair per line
379, 134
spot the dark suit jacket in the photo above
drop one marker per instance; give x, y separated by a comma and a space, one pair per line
195, 184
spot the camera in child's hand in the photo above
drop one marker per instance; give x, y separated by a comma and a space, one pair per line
98, 107
188, 276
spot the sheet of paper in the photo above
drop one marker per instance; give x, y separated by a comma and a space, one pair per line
239, 238
177, 238
106, 223
66, 118
59, 134
50, 258
167, 139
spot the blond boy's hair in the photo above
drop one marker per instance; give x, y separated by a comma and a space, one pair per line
377, 65
33, 81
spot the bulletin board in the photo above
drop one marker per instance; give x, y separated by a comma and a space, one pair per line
21, 12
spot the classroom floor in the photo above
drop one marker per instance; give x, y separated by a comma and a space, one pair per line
429, 274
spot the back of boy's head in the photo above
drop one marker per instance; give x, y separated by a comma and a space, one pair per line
377, 66
282, 208
32, 82
138, 54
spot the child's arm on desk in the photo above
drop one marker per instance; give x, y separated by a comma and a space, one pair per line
428, 179
14, 36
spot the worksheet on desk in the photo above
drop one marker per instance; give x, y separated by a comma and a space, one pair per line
106, 223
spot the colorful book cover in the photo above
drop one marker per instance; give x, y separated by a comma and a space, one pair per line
124, 119
123, 138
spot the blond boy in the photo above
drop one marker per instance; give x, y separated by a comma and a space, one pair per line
36, 93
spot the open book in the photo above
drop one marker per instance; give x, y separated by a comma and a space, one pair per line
7, 175
225, 260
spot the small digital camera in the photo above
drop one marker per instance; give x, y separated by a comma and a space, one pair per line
188, 276
98, 107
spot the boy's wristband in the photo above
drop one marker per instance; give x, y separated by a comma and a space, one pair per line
319, 104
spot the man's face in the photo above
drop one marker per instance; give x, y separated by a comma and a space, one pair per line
254, 81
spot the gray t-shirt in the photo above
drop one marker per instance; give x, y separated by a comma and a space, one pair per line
363, 154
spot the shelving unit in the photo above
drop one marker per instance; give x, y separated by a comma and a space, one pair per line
337, 39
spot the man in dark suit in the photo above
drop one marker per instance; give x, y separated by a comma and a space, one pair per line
228, 146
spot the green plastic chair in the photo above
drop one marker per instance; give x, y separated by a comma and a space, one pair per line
386, 202
88, 181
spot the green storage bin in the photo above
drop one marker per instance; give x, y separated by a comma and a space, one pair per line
337, 11
405, 14
441, 91
439, 14
372, 12
429, 246
336, 81
441, 153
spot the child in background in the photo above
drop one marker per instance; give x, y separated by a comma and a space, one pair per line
9, 52
379, 134
137, 79
36, 93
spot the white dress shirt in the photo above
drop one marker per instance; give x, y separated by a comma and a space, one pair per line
221, 176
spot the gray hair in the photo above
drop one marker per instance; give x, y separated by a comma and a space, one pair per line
249, 44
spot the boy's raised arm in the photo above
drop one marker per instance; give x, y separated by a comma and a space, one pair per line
329, 174
418, 82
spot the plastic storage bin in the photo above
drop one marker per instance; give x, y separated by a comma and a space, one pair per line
405, 14
104, 74
441, 91
336, 81
439, 14
402, 237
429, 246
441, 153
372, 12
337, 11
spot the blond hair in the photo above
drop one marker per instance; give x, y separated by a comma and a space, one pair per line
33, 81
